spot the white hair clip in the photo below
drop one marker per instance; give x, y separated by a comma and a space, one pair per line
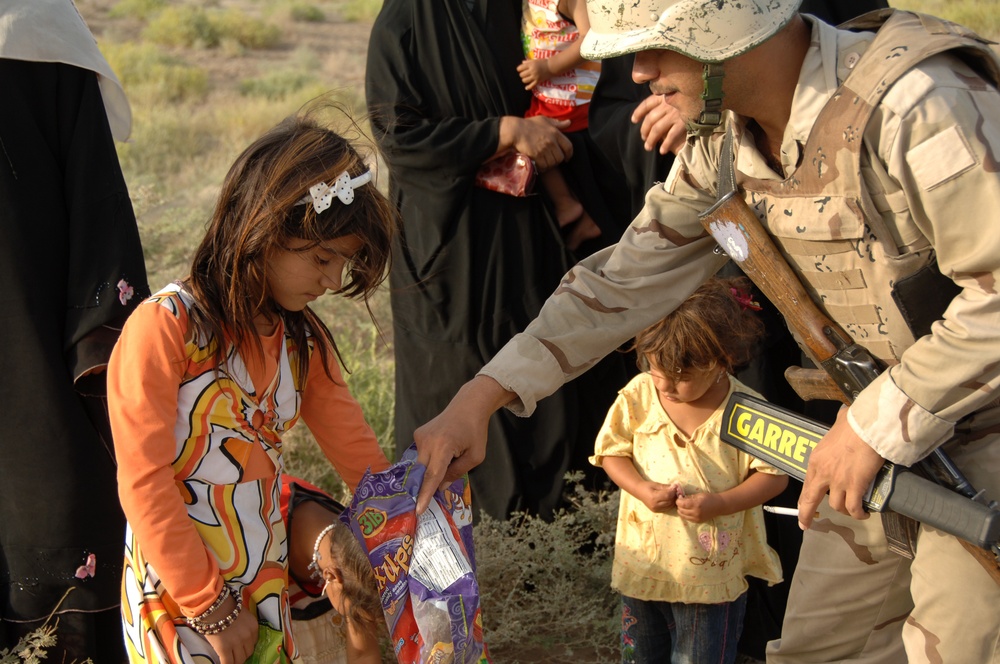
321, 195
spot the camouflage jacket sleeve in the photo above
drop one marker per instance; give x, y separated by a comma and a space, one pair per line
664, 255
937, 136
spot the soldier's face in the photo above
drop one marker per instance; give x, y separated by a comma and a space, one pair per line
677, 78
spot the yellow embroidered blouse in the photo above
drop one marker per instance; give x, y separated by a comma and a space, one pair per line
660, 556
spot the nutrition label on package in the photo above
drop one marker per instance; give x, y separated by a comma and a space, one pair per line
438, 560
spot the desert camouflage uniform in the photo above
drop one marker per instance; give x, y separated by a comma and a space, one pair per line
931, 165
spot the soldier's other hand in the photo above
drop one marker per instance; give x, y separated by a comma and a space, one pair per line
454, 442
844, 466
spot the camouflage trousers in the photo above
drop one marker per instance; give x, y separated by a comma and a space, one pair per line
853, 600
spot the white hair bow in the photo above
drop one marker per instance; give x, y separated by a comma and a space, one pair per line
343, 188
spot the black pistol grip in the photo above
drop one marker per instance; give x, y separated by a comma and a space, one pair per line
942, 508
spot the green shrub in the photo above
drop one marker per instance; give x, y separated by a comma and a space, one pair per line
32, 647
246, 31
150, 76
141, 9
164, 143
361, 10
182, 25
306, 13
982, 17
545, 586
275, 84
193, 27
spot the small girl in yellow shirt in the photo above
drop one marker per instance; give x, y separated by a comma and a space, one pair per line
690, 527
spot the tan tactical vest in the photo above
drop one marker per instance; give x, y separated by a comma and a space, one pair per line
834, 227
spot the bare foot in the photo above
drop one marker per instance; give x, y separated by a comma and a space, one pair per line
568, 210
581, 231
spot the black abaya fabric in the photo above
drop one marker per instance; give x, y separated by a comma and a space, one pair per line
69, 238
472, 267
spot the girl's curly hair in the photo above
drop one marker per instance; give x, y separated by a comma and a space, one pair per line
716, 325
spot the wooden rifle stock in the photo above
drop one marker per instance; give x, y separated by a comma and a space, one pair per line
848, 366
739, 232
813, 384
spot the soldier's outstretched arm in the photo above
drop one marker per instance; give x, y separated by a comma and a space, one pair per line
454, 442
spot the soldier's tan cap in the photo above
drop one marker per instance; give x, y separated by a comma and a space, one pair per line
705, 30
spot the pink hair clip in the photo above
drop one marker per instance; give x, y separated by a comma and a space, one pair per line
744, 300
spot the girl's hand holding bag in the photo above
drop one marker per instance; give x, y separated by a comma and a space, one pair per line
512, 173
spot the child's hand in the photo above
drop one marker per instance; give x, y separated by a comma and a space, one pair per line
660, 125
533, 72
658, 497
699, 507
235, 644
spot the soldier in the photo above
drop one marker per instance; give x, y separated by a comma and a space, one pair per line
856, 149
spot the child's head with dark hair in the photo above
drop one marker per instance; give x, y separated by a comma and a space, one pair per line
266, 209
716, 326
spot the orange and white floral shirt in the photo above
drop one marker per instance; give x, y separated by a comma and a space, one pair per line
199, 451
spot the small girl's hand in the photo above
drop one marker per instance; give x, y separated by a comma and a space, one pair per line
235, 644
658, 497
699, 507
533, 72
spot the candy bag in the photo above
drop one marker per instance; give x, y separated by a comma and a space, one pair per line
425, 566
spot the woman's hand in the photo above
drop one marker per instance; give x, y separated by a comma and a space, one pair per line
235, 644
538, 137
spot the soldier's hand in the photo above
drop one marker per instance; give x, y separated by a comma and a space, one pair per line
844, 466
454, 442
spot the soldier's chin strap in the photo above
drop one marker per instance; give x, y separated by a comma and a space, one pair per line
711, 114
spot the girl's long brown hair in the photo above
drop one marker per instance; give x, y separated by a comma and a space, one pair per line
714, 325
258, 212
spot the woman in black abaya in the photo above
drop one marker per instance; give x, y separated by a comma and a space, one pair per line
71, 270
472, 267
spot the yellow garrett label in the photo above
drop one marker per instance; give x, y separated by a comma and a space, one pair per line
760, 433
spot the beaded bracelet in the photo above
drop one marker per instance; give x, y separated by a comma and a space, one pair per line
199, 625
314, 565
223, 595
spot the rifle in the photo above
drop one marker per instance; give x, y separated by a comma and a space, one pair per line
848, 369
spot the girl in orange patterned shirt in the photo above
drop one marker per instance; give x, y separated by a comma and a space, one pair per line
210, 373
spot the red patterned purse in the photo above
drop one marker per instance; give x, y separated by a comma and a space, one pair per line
512, 173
